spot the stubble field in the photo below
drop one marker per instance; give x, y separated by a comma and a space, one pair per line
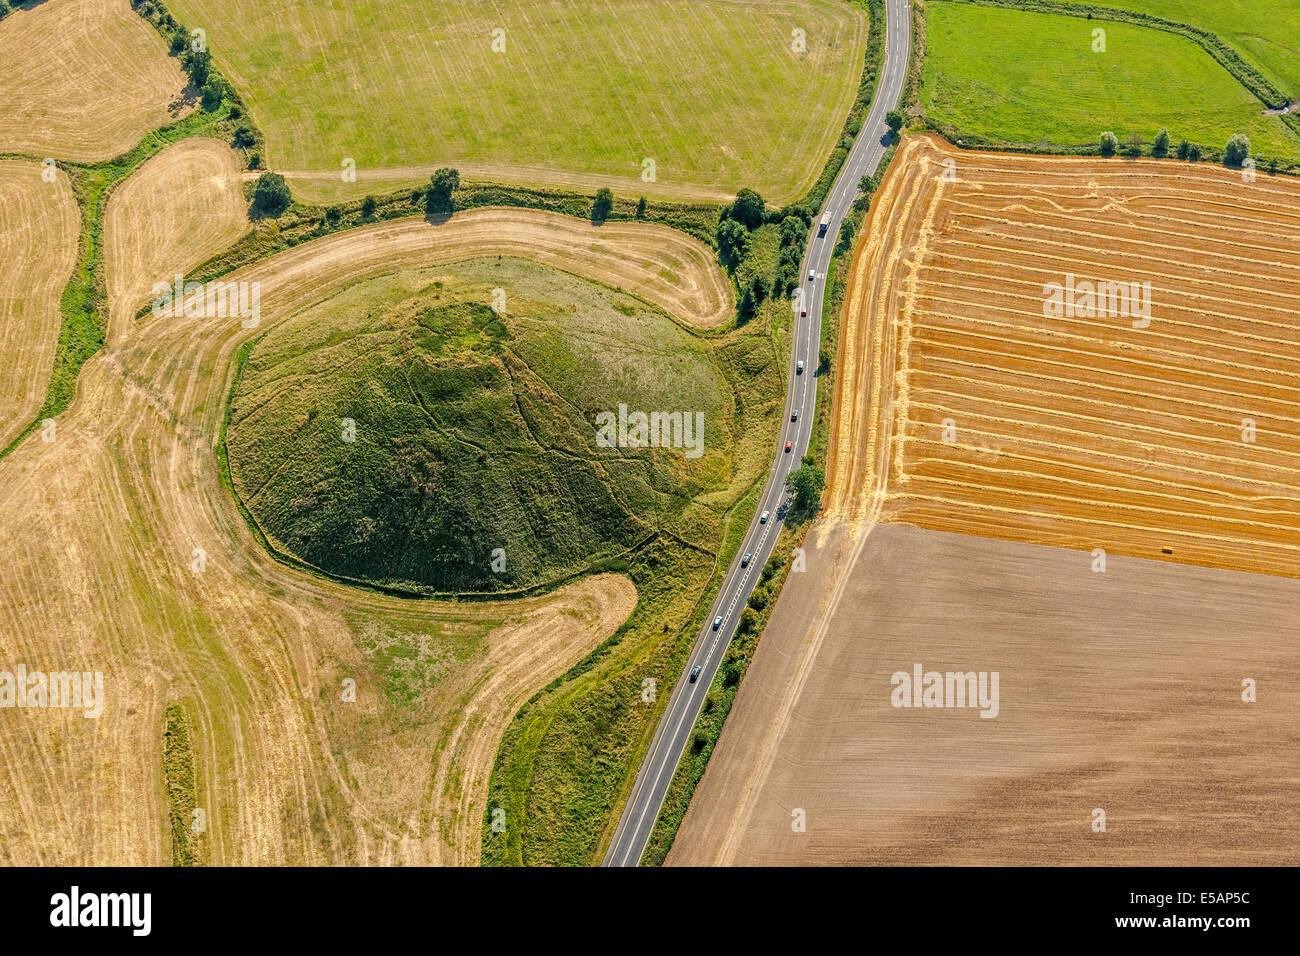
127, 556
1179, 440
38, 246
100, 81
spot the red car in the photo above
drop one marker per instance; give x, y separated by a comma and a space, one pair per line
789, 445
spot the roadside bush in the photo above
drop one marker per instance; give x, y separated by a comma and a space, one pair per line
1109, 143
368, 206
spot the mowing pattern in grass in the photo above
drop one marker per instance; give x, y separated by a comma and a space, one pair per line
582, 91
1007, 76
473, 431
1265, 32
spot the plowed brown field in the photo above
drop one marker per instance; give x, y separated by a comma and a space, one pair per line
1087, 431
84, 80
38, 248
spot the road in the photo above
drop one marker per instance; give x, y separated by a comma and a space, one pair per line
674, 730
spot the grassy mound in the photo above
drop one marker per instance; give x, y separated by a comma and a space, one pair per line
405, 434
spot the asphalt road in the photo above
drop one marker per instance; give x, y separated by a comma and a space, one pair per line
674, 730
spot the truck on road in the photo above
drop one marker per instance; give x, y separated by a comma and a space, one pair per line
824, 224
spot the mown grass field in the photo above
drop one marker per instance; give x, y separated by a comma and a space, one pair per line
1265, 32
583, 92
474, 431
1010, 76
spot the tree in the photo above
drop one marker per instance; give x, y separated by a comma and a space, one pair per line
733, 240
894, 120
214, 91
640, 208
603, 205
748, 621
243, 138
368, 207
437, 200
1161, 145
1109, 143
1237, 150
748, 209
271, 195
197, 64
333, 214
1194, 153
806, 483
1184, 149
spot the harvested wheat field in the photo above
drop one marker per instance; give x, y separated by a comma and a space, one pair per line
104, 80
1119, 691
38, 246
178, 209
126, 555
978, 397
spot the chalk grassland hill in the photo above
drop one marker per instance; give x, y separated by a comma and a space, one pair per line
125, 554
83, 80
1011, 76
1265, 32
585, 90
1179, 440
38, 247
1120, 691
474, 431
178, 209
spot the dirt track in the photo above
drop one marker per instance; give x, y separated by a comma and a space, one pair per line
179, 208
104, 573
101, 81
38, 247
1079, 431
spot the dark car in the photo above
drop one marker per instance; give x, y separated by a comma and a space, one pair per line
695, 672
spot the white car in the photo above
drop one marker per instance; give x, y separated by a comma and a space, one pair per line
799, 367
812, 275
762, 519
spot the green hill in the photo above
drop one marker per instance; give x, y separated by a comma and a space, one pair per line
473, 463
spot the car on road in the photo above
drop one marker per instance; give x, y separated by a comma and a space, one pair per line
762, 519
798, 369
788, 446
717, 622
695, 673
812, 275
744, 559
803, 311
794, 415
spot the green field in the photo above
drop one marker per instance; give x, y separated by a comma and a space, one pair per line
1265, 32
1008, 76
583, 93
473, 431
